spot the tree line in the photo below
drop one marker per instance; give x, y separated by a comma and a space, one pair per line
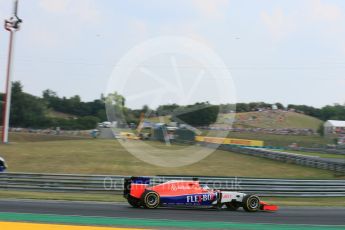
30, 111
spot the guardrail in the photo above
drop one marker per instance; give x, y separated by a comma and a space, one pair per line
311, 161
319, 150
113, 184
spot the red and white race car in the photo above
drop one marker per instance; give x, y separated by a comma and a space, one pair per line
139, 193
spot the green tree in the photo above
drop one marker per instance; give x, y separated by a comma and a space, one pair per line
227, 108
199, 114
87, 122
115, 104
242, 107
145, 109
335, 112
321, 130
164, 110
279, 105
27, 110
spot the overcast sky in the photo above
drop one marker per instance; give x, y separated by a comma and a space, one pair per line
276, 51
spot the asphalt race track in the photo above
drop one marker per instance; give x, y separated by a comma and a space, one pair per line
286, 215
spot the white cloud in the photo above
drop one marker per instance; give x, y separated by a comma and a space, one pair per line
281, 23
43, 38
72, 14
140, 27
324, 11
87, 10
84, 10
211, 8
5, 9
54, 6
278, 24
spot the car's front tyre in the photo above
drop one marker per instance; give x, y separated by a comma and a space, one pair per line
251, 203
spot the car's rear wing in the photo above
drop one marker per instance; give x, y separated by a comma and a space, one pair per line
135, 186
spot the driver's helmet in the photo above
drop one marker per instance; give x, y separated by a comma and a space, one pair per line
3, 165
205, 187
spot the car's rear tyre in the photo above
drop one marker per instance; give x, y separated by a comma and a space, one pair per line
150, 199
251, 203
134, 202
232, 206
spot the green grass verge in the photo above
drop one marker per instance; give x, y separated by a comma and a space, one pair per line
323, 155
61, 196
154, 223
283, 140
284, 201
93, 156
34, 137
306, 201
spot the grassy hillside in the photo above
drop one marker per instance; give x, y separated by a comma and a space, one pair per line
55, 114
272, 120
266, 119
161, 119
92, 156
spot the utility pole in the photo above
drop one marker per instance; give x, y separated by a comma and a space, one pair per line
12, 25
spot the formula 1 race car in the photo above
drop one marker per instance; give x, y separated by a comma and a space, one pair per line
139, 193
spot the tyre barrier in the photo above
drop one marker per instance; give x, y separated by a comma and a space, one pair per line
337, 166
114, 184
